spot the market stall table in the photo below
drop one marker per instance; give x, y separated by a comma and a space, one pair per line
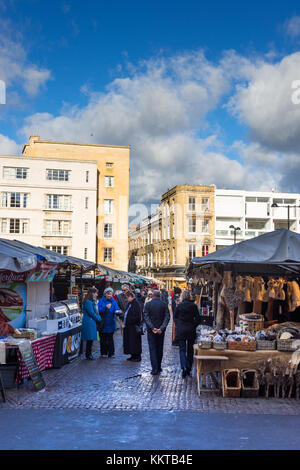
216, 360
43, 350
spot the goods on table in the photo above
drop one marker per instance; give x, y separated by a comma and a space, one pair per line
253, 321
27, 333
266, 339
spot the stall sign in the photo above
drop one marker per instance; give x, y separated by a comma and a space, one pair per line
43, 272
31, 364
10, 276
13, 304
67, 346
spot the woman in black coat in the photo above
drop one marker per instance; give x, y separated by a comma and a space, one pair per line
187, 318
132, 341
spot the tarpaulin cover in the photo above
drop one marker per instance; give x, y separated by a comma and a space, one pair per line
13, 258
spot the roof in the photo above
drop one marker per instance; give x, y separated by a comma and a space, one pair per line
16, 259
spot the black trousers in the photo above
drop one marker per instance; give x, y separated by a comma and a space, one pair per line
107, 346
156, 349
88, 349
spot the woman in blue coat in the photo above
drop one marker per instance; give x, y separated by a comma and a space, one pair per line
108, 309
89, 321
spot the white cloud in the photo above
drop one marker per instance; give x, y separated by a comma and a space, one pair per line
292, 26
8, 146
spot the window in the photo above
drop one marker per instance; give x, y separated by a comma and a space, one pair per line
85, 253
86, 204
192, 252
108, 255
205, 226
86, 227
174, 256
63, 250
58, 201
12, 173
192, 225
109, 181
14, 200
109, 165
57, 227
204, 203
87, 176
107, 230
205, 250
58, 175
14, 225
192, 204
108, 206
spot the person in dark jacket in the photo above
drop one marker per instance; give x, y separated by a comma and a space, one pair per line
108, 309
175, 302
186, 319
164, 296
132, 341
157, 317
89, 320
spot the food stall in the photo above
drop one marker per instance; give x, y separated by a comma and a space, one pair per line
256, 313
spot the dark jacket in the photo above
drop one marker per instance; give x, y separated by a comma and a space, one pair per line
132, 341
164, 296
186, 319
156, 315
122, 302
175, 297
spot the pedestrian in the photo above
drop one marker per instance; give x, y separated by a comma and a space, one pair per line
108, 309
157, 317
140, 300
149, 297
132, 341
122, 302
164, 295
90, 320
187, 319
175, 302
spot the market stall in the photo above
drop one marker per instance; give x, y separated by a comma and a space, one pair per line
255, 309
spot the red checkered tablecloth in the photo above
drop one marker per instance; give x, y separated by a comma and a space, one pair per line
43, 350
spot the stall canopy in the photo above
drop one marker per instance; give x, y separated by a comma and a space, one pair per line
276, 251
13, 258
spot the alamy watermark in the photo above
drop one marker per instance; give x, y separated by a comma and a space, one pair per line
2, 92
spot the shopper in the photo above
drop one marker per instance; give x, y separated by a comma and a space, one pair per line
108, 309
175, 302
90, 320
132, 341
157, 317
164, 295
149, 296
186, 319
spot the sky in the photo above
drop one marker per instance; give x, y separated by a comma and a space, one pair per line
204, 92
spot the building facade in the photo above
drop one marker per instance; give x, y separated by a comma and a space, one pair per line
112, 185
163, 244
43, 202
252, 212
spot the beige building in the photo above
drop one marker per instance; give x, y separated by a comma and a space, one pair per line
162, 245
103, 170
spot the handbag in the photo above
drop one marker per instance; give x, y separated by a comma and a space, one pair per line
100, 324
140, 329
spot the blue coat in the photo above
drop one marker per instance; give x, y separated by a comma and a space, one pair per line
89, 319
110, 315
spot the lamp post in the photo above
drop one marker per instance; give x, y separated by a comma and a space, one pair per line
274, 205
234, 233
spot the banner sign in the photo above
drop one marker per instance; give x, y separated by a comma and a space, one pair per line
43, 272
10, 276
67, 346
31, 364
13, 304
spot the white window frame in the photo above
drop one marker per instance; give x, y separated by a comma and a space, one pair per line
108, 206
108, 255
109, 182
12, 172
62, 174
108, 233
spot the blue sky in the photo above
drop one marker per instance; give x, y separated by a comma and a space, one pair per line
201, 90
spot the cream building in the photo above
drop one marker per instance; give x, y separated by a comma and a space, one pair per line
183, 227
112, 187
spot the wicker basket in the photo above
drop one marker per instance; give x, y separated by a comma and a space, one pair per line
250, 385
220, 345
25, 334
205, 344
242, 345
254, 325
286, 344
266, 345
231, 383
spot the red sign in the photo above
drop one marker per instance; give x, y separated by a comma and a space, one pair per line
43, 272
11, 276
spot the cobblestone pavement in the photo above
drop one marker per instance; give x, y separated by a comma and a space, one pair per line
117, 384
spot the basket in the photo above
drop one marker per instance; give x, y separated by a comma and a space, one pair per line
242, 346
254, 325
266, 345
25, 334
250, 385
287, 344
231, 383
220, 345
205, 344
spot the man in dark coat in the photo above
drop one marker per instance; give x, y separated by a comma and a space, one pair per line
175, 302
157, 317
132, 341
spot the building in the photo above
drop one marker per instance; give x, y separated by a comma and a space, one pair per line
183, 227
92, 179
252, 212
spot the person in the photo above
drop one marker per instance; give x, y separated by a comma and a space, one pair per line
187, 319
175, 302
108, 309
53, 297
121, 298
157, 317
89, 321
164, 295
132, 341
140, 299
149, 297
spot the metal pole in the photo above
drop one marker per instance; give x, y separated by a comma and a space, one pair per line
288, 217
